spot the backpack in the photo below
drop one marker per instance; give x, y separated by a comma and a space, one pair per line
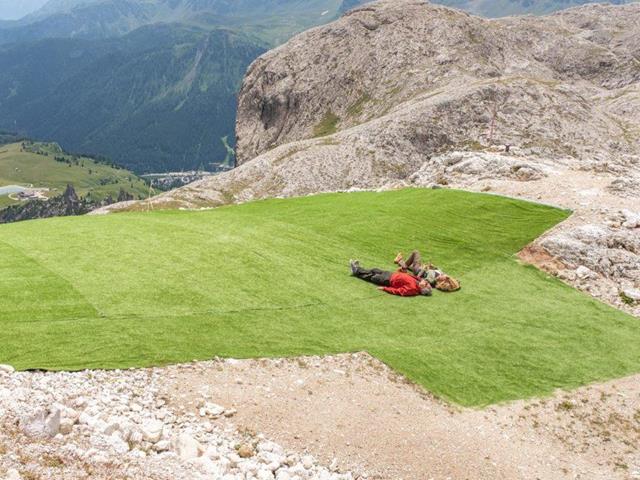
445, 283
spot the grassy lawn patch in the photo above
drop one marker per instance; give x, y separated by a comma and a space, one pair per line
271, 278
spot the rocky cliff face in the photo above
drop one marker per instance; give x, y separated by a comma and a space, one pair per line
375, 97
437, 78
402, 92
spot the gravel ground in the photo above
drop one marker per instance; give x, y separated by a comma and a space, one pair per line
355, 409
303, 418
118, 425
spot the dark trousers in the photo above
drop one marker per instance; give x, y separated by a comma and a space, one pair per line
374, 275
413, 263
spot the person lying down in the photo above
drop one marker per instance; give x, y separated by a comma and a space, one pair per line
412, 278
396, 283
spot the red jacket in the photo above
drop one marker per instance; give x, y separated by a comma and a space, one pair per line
404, 285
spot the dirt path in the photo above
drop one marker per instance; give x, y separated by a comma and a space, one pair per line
356, 410
582, 191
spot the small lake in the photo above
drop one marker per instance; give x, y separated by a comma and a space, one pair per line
9, 189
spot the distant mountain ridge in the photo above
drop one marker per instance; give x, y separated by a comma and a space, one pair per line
15, 9
100, 20
271, 21
58, 6
102, 76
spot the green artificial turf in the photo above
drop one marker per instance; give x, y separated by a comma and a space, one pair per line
271, 278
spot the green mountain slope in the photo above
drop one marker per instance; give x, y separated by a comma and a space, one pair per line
46, 166
160, 98
271, 278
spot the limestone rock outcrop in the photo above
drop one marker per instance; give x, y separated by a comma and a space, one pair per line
367, 101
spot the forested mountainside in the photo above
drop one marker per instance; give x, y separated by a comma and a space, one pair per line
159, 98
151, 84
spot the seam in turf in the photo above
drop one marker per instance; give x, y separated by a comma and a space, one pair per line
54, 274
203, 313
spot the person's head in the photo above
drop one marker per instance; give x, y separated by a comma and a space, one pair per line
425, 288
445, 283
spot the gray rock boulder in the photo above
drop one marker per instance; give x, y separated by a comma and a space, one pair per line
632, 293
614, 253
13, 474
7, 369
41, 424
152, 430
187, 447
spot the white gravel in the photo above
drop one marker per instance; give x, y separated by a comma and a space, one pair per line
116, 424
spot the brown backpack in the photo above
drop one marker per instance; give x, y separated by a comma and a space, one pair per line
445, 283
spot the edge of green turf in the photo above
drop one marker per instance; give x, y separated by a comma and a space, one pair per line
305, 350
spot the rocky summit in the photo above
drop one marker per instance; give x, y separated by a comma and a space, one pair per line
405, 93
422, 79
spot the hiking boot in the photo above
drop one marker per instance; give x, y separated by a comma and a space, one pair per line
355, 265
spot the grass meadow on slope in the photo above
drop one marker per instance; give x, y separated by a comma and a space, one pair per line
270, 278
23, 167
